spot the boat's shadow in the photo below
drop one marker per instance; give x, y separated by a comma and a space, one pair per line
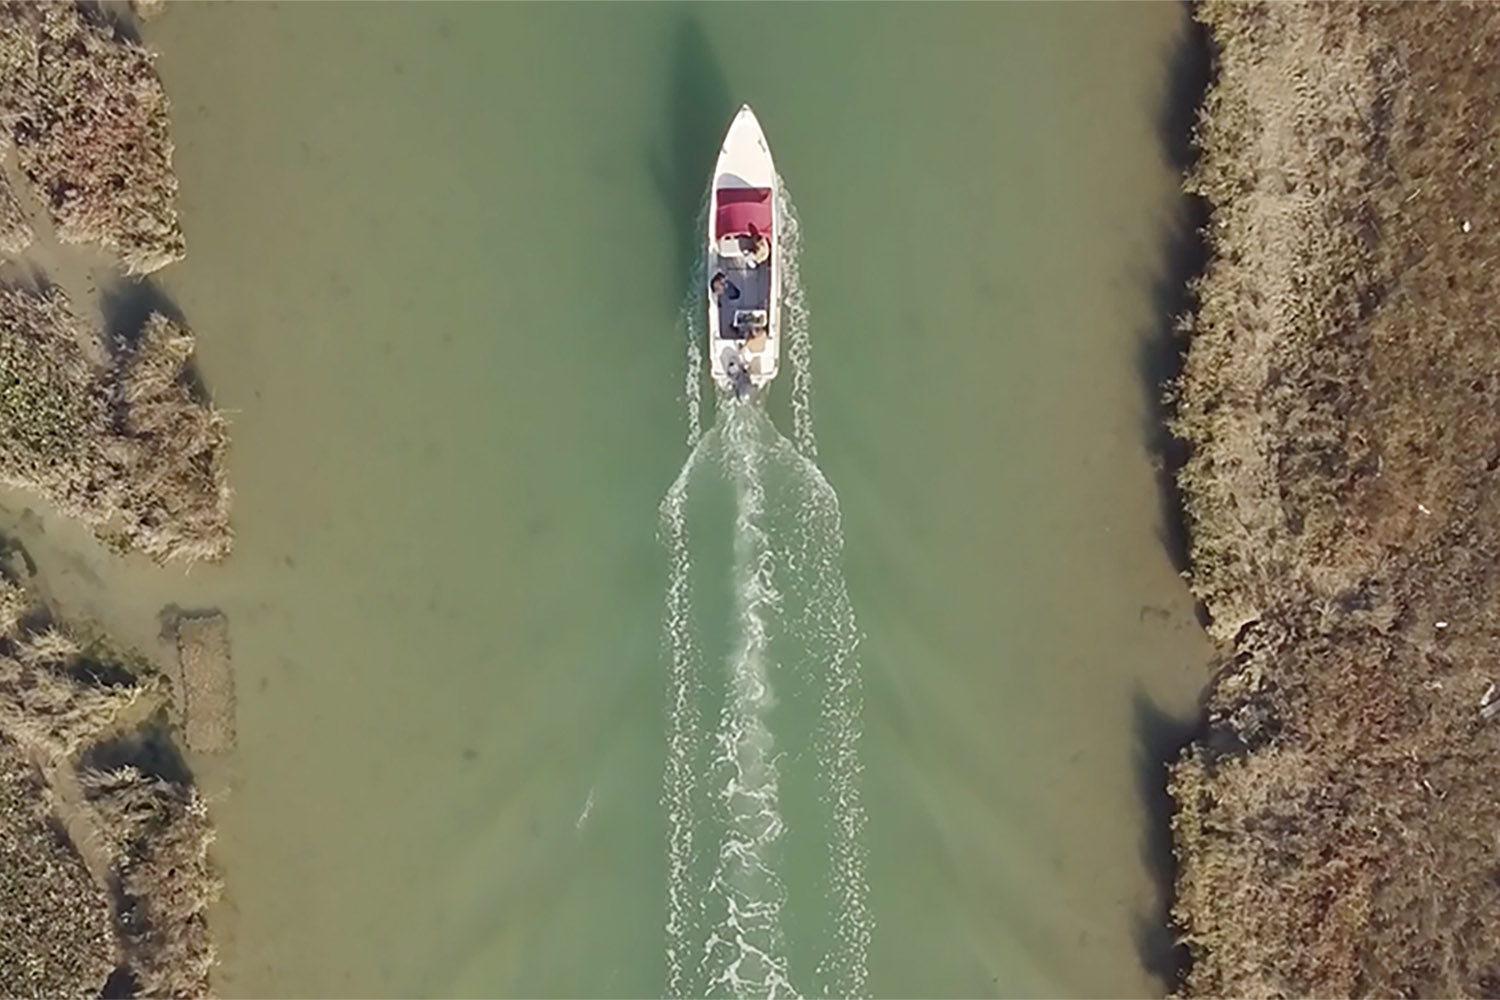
699, 107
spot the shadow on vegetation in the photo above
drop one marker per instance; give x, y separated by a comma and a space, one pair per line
26, 276
121, 985
151, 751
116, 15
1159, 737
15, 560
699, 109
1184, 254
101, 672
1189, 71
126, 306
1159, 740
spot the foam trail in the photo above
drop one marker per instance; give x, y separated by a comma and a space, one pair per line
827, 629
794, 320
745, 954
694, 328
827, 624
693, 379
792, 619
816, 645
684, 727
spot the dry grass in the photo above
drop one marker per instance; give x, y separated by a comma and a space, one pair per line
126, 448
161, 837
44, 705
16, 233
167, 453
1337, 827
56, 934
88, 118
99, 871
61, 930
48, 403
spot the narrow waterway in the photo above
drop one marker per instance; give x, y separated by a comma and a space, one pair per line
437, 260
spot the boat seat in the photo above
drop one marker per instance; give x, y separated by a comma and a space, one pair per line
729, 246
751, 319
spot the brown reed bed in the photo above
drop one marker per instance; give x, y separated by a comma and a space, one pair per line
16, 233
56, 926
104, 875
125, 445
103, 864
87, 115
1337, 822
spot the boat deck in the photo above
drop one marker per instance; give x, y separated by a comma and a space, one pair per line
754, 286
748, 342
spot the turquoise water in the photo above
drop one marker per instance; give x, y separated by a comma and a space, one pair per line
860, 704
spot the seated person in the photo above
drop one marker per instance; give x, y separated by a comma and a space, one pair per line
759, 247
723, 288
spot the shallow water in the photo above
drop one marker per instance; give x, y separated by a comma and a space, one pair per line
436, 259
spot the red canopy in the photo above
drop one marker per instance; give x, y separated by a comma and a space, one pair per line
741, 208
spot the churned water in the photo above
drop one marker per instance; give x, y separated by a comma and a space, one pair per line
789, 705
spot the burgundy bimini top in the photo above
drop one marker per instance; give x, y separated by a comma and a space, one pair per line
741, 208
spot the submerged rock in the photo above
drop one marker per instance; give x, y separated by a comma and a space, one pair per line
205, 684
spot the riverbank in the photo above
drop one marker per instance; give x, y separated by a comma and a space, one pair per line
104, 876
103, 839
1336, 823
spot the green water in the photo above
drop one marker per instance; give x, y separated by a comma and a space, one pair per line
437, 256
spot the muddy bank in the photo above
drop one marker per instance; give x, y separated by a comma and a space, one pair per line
1337, 823
104, 875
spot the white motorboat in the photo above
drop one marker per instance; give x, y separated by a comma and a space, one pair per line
744, 276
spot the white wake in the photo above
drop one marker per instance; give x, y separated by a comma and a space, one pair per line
790, 616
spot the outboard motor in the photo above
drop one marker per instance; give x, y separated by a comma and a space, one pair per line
739, 375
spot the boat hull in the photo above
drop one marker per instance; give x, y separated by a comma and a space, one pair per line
743, 261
